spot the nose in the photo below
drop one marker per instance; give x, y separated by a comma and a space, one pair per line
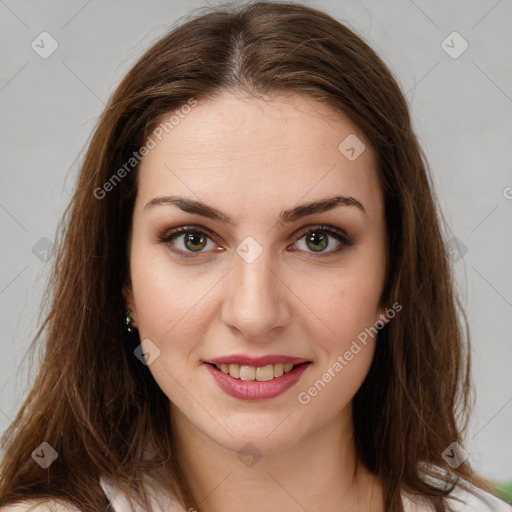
256, 300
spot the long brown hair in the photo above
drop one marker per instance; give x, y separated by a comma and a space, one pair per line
98, 406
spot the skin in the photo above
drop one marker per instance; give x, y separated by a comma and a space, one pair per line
252, 159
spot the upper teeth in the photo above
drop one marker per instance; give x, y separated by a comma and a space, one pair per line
260, 373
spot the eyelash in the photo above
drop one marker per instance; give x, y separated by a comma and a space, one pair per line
344, 240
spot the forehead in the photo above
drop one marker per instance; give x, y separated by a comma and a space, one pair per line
283, 148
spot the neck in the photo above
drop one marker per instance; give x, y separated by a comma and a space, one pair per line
318, 473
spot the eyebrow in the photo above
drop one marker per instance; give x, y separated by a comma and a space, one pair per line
285, 217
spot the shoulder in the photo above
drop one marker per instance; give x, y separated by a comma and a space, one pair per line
160, 501
39, 506
463, 498
477, 500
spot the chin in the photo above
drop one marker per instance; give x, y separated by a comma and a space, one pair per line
268, 435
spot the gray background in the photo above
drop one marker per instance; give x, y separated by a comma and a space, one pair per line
461, 109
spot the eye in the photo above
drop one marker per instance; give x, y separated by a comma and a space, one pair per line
188, 241
317, 239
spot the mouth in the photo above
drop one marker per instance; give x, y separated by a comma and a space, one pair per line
247, 382
257, 373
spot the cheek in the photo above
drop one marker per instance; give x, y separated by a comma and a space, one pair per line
168, 299
346, 353
347, 302
331, 390
172, 313
354, 310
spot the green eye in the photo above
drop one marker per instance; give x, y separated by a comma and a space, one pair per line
195, 241
317, 239
188, 241
317, 242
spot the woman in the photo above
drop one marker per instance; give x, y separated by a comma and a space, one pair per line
252, 304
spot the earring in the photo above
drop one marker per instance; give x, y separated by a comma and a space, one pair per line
128, 320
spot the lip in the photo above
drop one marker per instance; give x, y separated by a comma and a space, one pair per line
257, 390
243, 359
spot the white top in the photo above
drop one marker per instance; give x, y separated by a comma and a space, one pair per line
121, 503
160, 503
471, 503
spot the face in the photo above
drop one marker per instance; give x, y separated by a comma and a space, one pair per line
230, 269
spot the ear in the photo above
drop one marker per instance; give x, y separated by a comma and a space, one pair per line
129, 304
